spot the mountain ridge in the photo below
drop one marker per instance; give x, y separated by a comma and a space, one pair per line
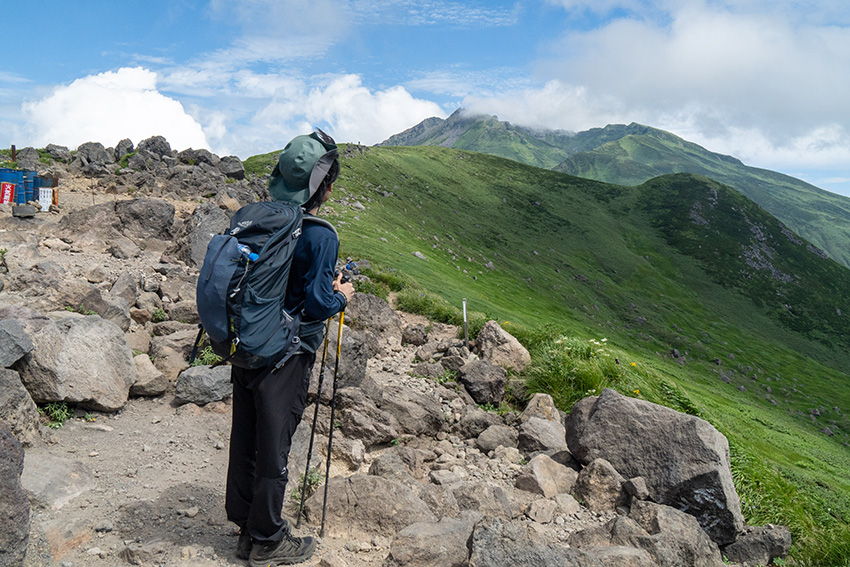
632, 154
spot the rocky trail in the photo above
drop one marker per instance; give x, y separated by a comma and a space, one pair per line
97, 310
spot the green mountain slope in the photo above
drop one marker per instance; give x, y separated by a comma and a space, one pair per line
631, 154
821, 217
708, 303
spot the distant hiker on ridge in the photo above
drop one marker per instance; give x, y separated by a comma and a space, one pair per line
268, 401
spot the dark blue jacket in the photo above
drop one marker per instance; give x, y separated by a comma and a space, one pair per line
311, 282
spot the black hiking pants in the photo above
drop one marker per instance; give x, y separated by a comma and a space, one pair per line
267, 408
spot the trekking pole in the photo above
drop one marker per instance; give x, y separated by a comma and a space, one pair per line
331, 432
313, 429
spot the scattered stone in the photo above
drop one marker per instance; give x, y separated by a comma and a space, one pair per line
500, 347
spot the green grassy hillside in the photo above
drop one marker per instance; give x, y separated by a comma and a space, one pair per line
681, 291
821, 217
631, 154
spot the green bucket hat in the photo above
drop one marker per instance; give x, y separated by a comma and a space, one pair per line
301, 167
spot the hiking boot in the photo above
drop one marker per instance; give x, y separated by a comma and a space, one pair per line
289, 550
243, 546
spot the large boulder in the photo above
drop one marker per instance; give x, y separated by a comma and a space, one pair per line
484, 381
369, 312
203, 384
14, 504
232, 167
759, 545
141, 219
360, 418
17, 409
14, 342
684, 459
500, 347
496, 542
191, 240
82, 360
368, 504
441, 543
356, 346
157, 145
93, 153
671, 537
417, 413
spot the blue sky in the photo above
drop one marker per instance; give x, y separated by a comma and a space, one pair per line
765, 81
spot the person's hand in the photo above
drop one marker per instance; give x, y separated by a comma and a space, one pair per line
347, 288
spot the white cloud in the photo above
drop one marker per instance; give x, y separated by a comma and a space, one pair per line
109, 107
348, 110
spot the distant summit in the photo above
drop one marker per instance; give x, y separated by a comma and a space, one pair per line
487, 134
633, 154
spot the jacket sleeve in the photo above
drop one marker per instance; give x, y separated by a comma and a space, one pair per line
321, 301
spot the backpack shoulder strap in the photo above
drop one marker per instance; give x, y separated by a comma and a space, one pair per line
318, 220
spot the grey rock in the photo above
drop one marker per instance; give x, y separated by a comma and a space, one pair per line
150, 380
439, 500
542, 511
361, 419
191, 240
354, 358
17, 410
671, 537
759, 545
391, 465
414, 335
475, 421
441, 543
636, 487
27, 158
156, 145
484, 381
59, 153
194, 157
203, 384
81, 360
53, 481
125, 287
487, 498
430, 370
600, 487
368, 504
622, 556
123, 248
370, 312
499, 543
123, 148
541, 406
417, 413
541, 475
537, 434
500, 347
24, 211
684, 459
452, 363
14, 342
14, 504
142, 219
93, 153
232, 167
496, 436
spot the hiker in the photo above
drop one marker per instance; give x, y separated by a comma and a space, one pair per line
268, 402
